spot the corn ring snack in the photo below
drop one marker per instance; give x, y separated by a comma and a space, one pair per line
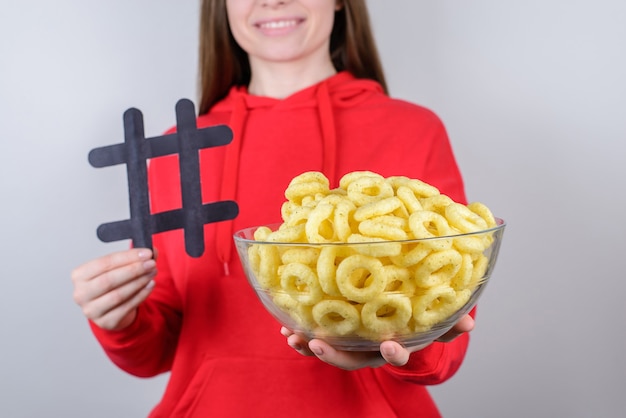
294, 215
434, 305
436, 203
398, 181
399, 280
287, 233
359, 278
347, 179
413, 254
297, 311
422, 189
408, 198
374, 250
461, 298
378, 228
341, 220
327, 269
463, 278
427, 224
300, 282
463, 219
469, 244
377, 208
386, 313
336, 317
483, 211
319, 227
380, 284
254, 259
364, 190
262, 233
305, 185
302, 255
437, 268
394, 221
269, 262
479, 270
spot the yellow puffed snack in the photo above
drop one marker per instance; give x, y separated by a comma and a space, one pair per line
368, 189
463, 219
367, 276
319, 227
327, 262
434, 305
300, 282
386, 313
336, 317
359, 277
437, 268
306, 185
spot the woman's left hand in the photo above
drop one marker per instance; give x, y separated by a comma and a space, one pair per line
390, 351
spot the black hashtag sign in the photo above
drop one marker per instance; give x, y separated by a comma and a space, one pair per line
135, 152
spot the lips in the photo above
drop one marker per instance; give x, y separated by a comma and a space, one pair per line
278, 24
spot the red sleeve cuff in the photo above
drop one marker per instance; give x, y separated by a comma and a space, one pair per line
434, 364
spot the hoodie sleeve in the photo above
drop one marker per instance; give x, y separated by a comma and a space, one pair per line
441, 168
146, 347
439, 361
434, 364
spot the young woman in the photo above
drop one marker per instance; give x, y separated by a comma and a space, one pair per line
301, 86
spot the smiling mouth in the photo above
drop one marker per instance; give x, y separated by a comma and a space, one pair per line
278, 24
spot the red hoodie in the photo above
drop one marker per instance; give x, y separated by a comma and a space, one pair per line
204, 323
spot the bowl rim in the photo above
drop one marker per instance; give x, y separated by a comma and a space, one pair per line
239, 236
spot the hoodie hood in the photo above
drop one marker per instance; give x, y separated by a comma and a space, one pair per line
339, 91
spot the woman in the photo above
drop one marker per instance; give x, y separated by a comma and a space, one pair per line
301, 86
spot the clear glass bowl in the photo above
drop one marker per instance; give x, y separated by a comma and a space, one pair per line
356, 295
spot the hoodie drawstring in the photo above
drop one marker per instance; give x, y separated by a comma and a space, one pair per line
230, 173
329, 133
230, 177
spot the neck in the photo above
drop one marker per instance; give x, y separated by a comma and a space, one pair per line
280, 80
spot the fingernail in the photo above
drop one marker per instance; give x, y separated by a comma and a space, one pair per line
144, 255
389, 351
150, 284
149, 265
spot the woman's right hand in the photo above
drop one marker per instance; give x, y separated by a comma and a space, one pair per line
109, 289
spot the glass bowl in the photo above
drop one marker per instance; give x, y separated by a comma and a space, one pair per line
356, 295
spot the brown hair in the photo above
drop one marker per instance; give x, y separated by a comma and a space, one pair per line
223, 64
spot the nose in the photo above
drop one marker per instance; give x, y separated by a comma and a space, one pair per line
274, 3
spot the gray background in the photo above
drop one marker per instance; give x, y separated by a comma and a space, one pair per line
534, 98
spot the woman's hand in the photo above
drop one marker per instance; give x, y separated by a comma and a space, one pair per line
390, 351
109, 289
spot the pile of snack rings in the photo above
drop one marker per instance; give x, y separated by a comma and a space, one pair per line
371, 290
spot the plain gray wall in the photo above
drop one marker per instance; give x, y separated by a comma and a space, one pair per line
534, 98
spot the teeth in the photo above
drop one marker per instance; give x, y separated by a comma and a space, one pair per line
278, 24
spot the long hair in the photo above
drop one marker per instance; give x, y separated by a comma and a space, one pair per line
224, 64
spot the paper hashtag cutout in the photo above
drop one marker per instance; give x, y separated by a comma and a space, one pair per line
135, 151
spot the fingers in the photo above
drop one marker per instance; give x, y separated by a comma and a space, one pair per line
109, 262
100, 296
347, 360
391, 352
109, 289
123, 314
394, 353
